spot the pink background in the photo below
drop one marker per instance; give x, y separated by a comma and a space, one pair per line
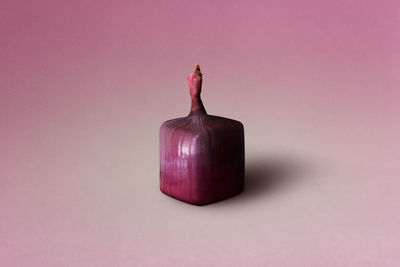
85, 86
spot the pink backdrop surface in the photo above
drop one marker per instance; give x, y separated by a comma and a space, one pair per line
85, 86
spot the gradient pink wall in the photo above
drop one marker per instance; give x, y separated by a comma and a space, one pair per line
84, 86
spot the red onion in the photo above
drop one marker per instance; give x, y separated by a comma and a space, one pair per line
201, 156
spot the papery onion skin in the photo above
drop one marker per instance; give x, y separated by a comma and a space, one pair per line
201, 156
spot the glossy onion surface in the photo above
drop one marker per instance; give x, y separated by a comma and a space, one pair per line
201, 156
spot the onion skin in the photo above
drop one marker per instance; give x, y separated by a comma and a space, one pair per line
201, 156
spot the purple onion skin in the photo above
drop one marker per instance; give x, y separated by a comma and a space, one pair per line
201, 156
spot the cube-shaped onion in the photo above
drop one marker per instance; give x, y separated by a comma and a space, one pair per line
201, 156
